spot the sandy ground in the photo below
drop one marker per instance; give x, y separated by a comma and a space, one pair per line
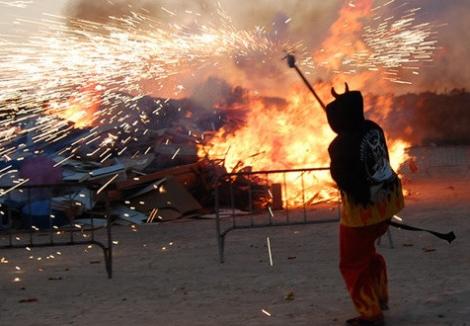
184, 284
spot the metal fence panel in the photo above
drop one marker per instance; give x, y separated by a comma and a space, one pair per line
259, 199
28, 220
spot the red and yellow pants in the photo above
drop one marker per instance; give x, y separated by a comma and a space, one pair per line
363, 269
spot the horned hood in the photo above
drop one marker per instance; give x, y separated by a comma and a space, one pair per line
346, 112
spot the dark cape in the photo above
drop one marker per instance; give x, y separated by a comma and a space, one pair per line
359, 153
371, 191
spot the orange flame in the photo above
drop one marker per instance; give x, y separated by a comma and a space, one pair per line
80, 109
296, 134
289, 136
344, 35
277, 137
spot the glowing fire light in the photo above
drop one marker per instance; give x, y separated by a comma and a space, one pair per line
288, 136
296, 134
397, 152
80, 110
277, 137
54, 64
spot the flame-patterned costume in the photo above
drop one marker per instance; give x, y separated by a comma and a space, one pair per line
371, 194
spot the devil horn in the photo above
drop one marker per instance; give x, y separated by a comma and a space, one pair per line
333, 92
346, 86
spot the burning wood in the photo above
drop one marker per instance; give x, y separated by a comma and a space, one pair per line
87, 110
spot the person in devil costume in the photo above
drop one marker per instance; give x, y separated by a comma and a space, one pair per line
371, 194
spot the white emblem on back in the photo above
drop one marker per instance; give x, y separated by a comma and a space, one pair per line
375, 158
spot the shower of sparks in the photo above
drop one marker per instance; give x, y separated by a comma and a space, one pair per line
397, 218
393, 45
75, 74
16, 4
72, 74
107, 184
56, 63
266, 313
401, 43
270, 255
18, 184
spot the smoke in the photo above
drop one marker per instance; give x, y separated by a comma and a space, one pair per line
308, 22
450, 68
101, 11
430, 118
215, 92
285, 21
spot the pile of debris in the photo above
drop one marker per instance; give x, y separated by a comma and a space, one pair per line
140, 161
133, 196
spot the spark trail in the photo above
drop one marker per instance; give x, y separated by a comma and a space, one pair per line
76, 70
65, 70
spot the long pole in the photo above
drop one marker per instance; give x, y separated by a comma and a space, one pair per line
291, 62
449, 237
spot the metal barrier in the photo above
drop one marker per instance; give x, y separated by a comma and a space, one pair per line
18, 206
268, 194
